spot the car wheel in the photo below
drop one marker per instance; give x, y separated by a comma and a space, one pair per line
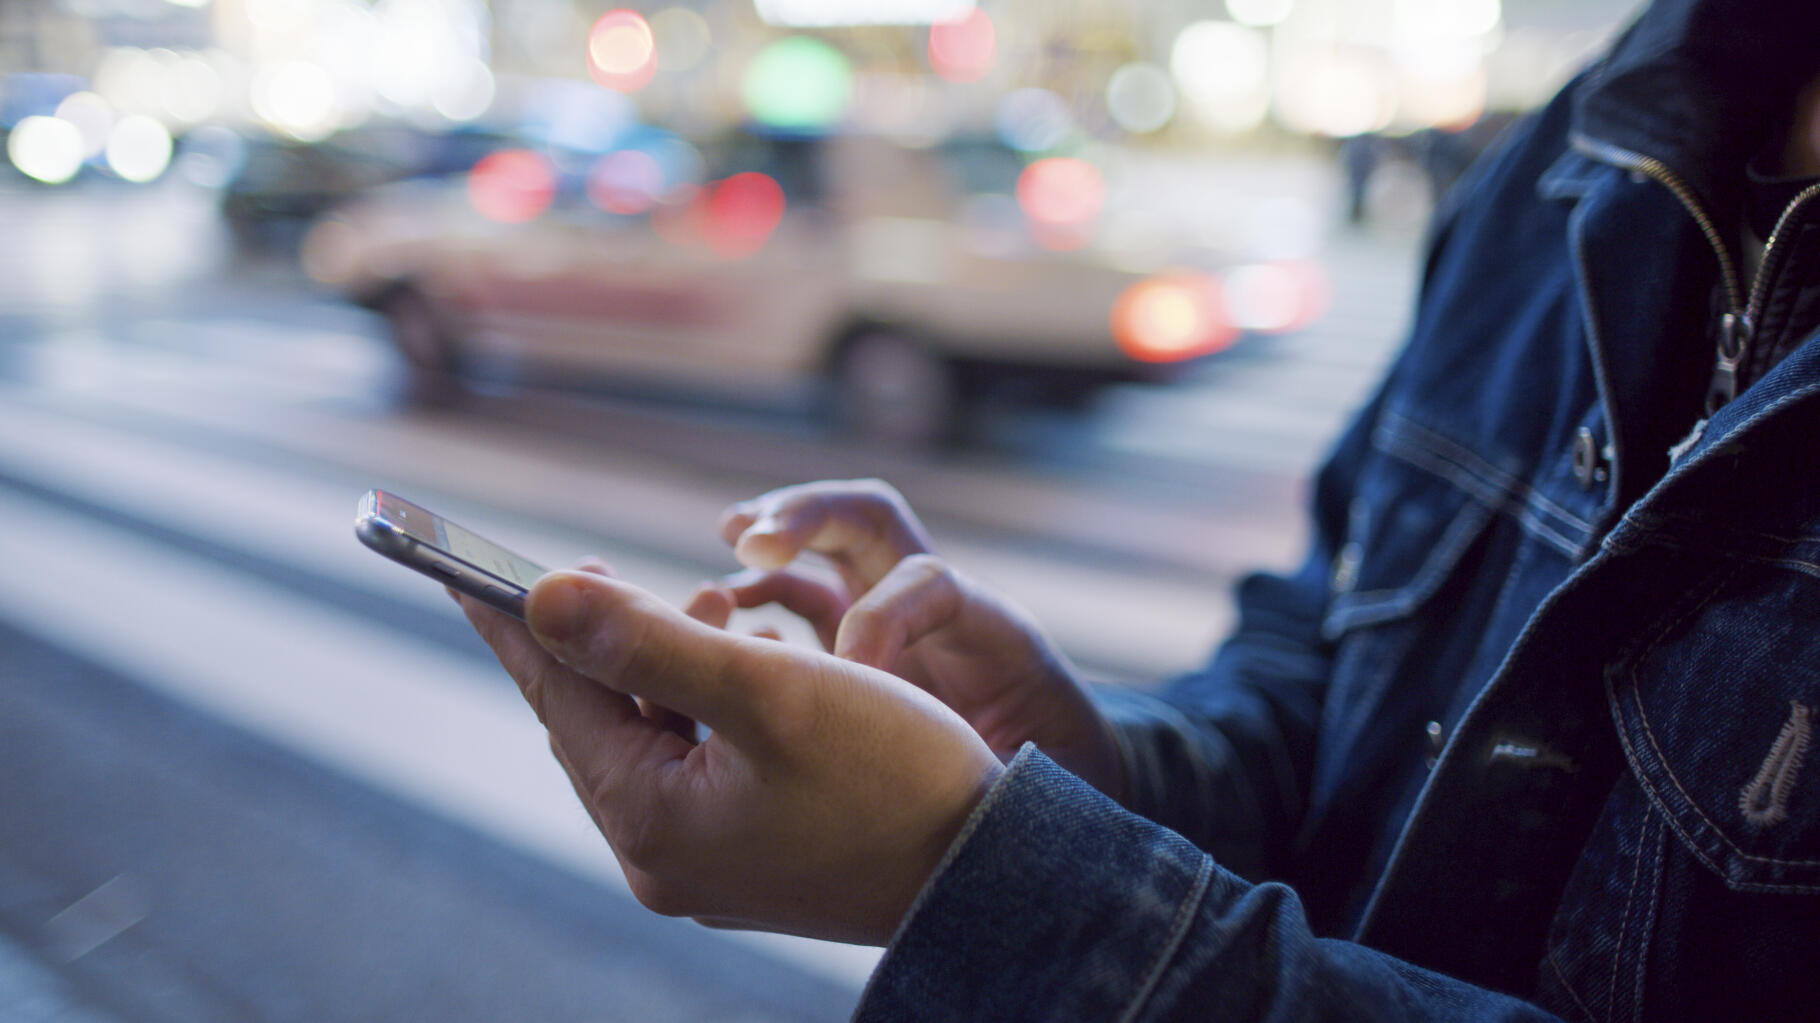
890, 388
428, 350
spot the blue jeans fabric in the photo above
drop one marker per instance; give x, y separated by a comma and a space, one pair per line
1534, 537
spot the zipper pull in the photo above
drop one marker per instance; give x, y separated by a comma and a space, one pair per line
1734, 338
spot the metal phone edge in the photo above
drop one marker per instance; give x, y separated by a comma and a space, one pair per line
381, 537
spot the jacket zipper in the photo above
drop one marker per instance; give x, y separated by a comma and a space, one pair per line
1738, 324
1759, 289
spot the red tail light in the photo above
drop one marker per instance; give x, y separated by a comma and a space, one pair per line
1171, 318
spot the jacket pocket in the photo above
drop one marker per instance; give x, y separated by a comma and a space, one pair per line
1406, 533
1410, 534
1716, 708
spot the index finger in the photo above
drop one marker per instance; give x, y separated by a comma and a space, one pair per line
864, 527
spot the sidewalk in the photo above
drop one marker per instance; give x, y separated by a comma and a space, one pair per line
177, 870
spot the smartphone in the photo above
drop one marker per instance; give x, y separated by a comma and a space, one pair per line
419, 538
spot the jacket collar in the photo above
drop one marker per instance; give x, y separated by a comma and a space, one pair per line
1700, 85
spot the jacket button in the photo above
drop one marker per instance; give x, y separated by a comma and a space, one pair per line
1346, 567
1437, 741
1589, 461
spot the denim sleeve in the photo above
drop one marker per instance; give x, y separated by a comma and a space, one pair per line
1223, 755
1057, 904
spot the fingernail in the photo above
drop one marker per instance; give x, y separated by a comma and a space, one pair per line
735, 580
559, 612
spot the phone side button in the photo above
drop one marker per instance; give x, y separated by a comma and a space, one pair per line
449, 570
511, 603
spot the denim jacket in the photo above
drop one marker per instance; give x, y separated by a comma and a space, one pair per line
1524, 737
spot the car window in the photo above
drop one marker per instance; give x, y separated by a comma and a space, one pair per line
980, 166
791, 162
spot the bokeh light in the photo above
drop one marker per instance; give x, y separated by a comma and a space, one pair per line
1140, 98
92, 116
1259, 13
832, 13
622, 51
138, 148
741, 213
1337, 94
1275, 297
963, 50
1033, 120
1450, 103
276, 15
298, 98
1171, 318
512, 186
192, 91
1450, 17
466, 92
627, 182
1062, 197
1061, 191
1223, 71
47, 149
129, 79
683, 38
797, 84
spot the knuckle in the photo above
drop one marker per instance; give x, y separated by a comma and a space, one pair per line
928, 567
658, 896
640, 839
868, 613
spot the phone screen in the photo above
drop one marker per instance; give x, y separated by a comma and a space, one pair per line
485, 554
476, 550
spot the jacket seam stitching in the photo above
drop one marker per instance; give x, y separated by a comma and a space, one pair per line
1649, 925
1554, 963
1630, 899
1400, 429
1805, 567
1662, 758
1178, 930
1396, 601
1512, 498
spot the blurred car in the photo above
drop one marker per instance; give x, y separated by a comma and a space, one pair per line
903, 282
280, 185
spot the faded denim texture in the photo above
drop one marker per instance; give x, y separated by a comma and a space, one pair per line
1620, 645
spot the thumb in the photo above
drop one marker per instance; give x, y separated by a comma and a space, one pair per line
634, 643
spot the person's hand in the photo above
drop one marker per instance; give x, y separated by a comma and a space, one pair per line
901, 608
823, 798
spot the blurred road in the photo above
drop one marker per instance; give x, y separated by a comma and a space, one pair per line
251, 771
